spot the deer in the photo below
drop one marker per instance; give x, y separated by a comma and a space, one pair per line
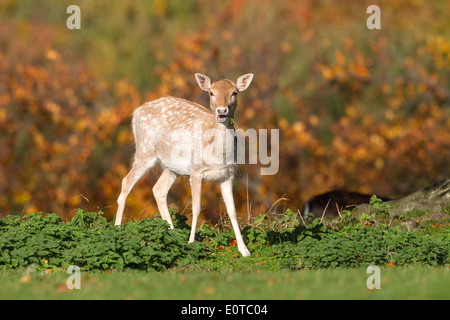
158, 126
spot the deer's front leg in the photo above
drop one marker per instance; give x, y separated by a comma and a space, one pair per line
196, 191
227, 194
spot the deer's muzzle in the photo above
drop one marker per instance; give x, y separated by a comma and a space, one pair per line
221, 114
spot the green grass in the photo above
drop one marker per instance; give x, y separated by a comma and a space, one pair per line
290, 259
95, 244
396, 283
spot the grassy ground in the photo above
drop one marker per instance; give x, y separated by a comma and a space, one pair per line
289, 260
396, 283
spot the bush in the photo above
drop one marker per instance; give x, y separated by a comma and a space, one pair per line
359, 110
372, 246
93, 243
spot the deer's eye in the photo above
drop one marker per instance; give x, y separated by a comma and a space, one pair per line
211, 94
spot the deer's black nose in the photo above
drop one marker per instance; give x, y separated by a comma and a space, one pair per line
222, 111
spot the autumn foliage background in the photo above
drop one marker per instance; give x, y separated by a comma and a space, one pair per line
358, 109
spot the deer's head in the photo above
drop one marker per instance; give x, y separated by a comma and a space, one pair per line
223, 94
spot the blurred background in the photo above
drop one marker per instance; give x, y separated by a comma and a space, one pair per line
358, 109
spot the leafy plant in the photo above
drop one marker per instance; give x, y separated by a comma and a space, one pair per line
89, 240
351, 98
92, 242
380, 209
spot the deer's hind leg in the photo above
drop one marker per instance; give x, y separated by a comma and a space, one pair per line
137, 171
160, 191
196, 191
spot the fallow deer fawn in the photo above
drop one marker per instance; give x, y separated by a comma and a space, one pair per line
158, 124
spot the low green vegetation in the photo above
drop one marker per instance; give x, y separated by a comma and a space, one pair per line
93, 243
420, 282
292, 257
44, 241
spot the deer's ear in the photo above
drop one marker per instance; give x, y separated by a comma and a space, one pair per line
244, 81
204, 82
